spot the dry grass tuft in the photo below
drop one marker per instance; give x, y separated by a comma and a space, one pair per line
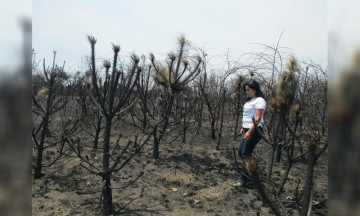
292, 65
251, 165
43, 92
161, 77
239, 81
182, 40
285, 86
106, 64
176, 176
218, 192
172, 56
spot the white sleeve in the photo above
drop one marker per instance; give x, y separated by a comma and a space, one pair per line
260, 104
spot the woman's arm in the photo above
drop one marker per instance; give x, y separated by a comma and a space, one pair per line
258, 115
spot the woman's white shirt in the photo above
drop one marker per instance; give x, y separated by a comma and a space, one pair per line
249, 111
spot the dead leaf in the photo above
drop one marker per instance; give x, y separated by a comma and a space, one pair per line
174, 189
196, 201
316, 202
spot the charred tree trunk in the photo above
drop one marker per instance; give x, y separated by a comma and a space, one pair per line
213, 132
275, 136
290, 155
221, 120
144, 86
271, 164
176, 113
107, 208
200, 114
44, 131
144, 121
37, 170
107, 194
158, 136
279, 148
284, 179
111, 96
238, 109
309, 179
236, 132
155, 145
282, 123
97, 132
184, 122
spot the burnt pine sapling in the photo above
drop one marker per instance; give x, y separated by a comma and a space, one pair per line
111, 98
284, 89
46, 102
173, 76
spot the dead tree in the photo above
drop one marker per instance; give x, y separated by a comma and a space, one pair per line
145, 89
290, 147
111, 98
82, 98
187, 101
212, 89
184, 122
46, 102
313, 141
172, 77
236, 101
210, 93
284, 89
201, 80
316, 129
306, 114
223, 101
90, 115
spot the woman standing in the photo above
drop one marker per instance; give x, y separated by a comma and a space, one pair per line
255, 106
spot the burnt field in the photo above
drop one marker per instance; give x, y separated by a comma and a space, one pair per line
152, 137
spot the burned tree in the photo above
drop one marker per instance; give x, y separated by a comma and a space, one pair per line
237, 100
284, 89
90, 115
48, 100
111, 98
212, 92
172, 78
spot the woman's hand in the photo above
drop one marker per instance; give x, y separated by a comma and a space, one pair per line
241, 131
247, 134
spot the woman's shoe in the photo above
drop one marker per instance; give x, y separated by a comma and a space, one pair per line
239, 184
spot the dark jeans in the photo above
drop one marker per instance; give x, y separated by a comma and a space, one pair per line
245, 149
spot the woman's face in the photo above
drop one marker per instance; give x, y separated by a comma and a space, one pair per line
250, 92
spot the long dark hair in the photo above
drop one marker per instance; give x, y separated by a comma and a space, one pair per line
255, 86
